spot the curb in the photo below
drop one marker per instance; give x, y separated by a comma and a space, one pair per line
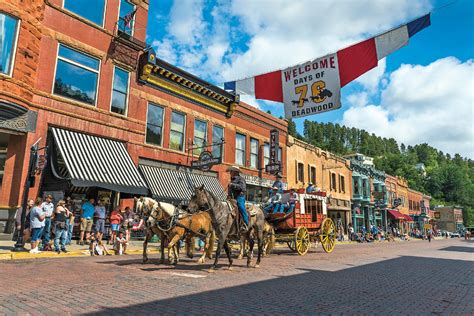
52, 254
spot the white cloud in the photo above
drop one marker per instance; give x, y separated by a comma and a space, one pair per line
432, 104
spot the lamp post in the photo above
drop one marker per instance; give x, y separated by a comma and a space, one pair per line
20, 243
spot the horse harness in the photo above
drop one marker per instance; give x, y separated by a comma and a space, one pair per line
165, 226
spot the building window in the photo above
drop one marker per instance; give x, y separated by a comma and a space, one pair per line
312, 175
126, 9
254, 153
120, 91
365, 188
154, 125
342, 184
200, 136
356, 186
240, 149
217, 137
178, 122
8, 39
92, 10
332, 176
77, 75
266, 154
300, 172
279, 154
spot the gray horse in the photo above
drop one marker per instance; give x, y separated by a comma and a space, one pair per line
224, 222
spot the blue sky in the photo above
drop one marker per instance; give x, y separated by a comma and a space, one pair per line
410, 96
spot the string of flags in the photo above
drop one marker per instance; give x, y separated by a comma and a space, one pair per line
315, 86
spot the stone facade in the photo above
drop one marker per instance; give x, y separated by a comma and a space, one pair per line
450, 218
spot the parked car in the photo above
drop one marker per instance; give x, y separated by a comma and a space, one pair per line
455, 234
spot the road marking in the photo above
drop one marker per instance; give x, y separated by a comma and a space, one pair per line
188, 275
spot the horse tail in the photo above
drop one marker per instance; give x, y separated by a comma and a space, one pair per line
269, 239
210, 247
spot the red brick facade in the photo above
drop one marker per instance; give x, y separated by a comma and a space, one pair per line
45, 24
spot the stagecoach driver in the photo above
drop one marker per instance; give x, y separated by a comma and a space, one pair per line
237, 190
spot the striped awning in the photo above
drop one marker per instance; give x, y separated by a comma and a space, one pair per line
98, 162
177, 186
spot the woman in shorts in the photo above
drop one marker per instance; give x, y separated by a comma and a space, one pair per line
116, 219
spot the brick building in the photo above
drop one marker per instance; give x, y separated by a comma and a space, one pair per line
332, 174
117, 121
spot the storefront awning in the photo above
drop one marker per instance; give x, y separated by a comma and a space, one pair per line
408, 218
396, 214
98, 162
177, 186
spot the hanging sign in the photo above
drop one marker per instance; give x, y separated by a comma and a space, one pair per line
274, 165
205, 161
312, 87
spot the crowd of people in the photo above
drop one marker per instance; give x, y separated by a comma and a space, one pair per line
45, 220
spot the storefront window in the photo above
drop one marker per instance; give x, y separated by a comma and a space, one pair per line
177, 131
217, 137
76, 75
154, 126
240, 149
126, 9
8, 37
200, 136
254, 153
92, 10
120, 91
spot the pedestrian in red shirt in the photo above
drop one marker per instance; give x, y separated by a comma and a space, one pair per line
116, 219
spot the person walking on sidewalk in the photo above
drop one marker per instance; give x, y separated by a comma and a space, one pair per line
87, 213
48, 208
26, 231
69, 220
37, 219
61, 215
99, 214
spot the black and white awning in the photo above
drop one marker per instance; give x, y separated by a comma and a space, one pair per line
93, 161
177, 186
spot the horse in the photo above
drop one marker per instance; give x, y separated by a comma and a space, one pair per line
144, 206
176, 225
268, 242
225, 224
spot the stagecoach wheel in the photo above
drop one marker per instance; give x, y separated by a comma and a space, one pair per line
328, 235
302, 241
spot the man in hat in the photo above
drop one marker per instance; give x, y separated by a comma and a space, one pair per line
310, 188
48, 207
237, 190
278, 184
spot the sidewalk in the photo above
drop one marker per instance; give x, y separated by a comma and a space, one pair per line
135, 247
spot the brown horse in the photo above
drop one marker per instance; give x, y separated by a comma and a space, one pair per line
177, 225
268, 242
143, 207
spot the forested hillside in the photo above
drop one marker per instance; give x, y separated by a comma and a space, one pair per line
449, 180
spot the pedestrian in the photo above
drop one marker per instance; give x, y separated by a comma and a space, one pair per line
26, 229
37, 219
351, 231
48, 208
61, 215
429, 235
116, 219
120, 245
129, 218
70, 220
87, 213
99, 215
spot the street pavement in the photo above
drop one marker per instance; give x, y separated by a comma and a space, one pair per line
400, 278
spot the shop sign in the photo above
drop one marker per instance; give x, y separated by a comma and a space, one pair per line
205, 161
274, 166
253, 180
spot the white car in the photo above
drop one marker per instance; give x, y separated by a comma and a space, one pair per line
456, 234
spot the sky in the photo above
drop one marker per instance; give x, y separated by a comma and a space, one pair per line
422, 93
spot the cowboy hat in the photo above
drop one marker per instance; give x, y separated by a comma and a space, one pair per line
233, 168
278, 175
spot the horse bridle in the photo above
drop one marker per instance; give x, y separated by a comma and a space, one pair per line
159, 222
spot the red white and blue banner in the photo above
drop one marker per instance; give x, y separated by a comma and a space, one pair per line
315, 86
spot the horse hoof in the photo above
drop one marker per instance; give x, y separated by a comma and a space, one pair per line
230, 268
145, 260
257, 266
211, 270
240, 257
201, 261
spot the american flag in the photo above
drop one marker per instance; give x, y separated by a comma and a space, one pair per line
128, 18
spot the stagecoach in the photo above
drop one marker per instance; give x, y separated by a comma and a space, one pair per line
306, 223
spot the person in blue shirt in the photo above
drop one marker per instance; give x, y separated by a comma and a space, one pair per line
278, 183
310, 188
87, 215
